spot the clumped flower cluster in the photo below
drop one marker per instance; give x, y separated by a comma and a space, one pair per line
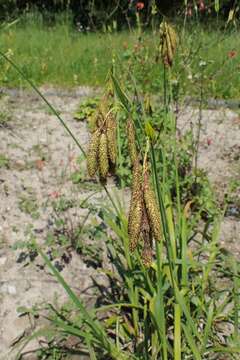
102, 152
144, 218
168, 43
144, 222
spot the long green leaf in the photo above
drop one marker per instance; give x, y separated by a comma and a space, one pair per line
177, 332
66, 287
191, 342
226, 350
208, 326
96, 328
46, 331
120, 94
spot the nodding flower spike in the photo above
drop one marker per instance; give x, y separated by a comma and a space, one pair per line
136, 206
144, 220
147, 253
152, 208
168, 38
92, 156
147, 239
103, 156
103, 144
131, 141
111, 132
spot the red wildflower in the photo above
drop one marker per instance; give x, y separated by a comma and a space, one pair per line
201, 5
232, 54
209, 141
139, 5
189, 11
55, 194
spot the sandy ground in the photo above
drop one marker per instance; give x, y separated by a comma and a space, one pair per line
41, 158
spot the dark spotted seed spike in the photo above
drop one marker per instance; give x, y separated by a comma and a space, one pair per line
147, 239
136, 206
112, 137
92, 156
152, 208
131, 141
103, 156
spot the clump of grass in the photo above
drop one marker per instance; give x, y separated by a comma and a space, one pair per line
4, 161
4, 119
29, 205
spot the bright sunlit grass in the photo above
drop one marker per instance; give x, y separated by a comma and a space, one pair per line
62, 56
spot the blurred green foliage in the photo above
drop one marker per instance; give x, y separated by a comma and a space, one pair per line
94, 14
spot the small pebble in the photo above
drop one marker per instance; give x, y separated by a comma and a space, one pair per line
9, 289
2, 260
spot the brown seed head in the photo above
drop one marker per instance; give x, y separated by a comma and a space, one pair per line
173, 38
168, 43
152, 208
134, 223
92, 156
131, 141
147, 254
96, 121
137, 178
136, 206
103, 156
147, 238
111, 132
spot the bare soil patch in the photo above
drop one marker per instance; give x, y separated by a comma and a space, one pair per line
37, 161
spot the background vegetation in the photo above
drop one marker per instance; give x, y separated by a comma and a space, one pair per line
63, 54
95, 14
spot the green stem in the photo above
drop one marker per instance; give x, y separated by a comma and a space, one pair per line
162, 318
111, 199
164, 220
177, 332
165, 83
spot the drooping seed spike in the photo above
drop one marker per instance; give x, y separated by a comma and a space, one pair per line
147, 238
168, 43
131, 135
137, 178
112, 137
92, 156
134, 223
163, 44
145, 225
147, 253
103, 156
173, 38
136, 207
169, 53
99, 118
152, 208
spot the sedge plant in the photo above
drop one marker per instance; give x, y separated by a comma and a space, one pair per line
166, 299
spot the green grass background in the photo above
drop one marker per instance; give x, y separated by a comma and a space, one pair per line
62, 56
